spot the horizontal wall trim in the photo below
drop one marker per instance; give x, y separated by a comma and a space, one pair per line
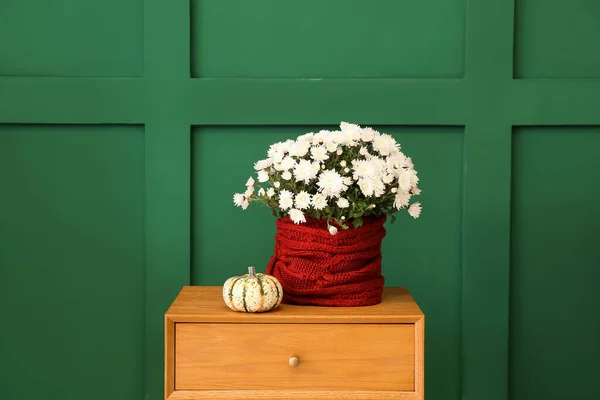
297, 101
72, 100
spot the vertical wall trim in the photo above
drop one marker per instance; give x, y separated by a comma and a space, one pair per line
486, 206
167, 179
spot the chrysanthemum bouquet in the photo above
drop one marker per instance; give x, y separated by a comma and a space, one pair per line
341, 176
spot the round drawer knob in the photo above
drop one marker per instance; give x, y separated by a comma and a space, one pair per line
294, 361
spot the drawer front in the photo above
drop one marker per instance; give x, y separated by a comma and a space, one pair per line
330, 356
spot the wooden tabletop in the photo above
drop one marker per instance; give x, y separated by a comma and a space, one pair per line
205, 304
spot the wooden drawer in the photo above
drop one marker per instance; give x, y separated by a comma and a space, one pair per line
374, 352
331, 357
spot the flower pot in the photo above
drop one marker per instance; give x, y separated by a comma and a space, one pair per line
317, 268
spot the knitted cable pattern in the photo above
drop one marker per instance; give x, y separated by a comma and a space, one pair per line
317, 268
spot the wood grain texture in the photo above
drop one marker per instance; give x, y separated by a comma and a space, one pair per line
205, 304
291, 395
368, 353
169, 356
420, 357
332, 357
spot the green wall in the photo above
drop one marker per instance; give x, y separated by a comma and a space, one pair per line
126, 127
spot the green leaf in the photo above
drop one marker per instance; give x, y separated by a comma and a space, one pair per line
393, 217
344, 226
358, 222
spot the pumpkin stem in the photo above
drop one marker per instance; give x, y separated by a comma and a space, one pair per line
251, 272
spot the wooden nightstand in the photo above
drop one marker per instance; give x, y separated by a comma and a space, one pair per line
293, 352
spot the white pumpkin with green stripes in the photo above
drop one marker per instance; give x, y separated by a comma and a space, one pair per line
252, 292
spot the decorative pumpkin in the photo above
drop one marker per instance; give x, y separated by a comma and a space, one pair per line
252, 292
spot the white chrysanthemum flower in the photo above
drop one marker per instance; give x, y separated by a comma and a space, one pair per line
363, 169
275, 155
366, 186
331, 183
305, 171
263, 164
368, 134
317, 139
385, 144
346, 126
274, 149
380, 165
287, 144
405, 179
319, 201
415, 178
333, 230
352, 131
263, 176
299, 148
307, 137
238, 198
297, 216
319, 153
395, 160
343, 203
401, 200
331, 147
287, 163
378, 187
380, 169
415, 210
303, 200
337, 136
279, 148
286, 199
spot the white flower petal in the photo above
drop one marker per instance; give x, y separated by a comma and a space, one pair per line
286, 199
297, 216
415, 210
263, 176
238, 199
303, 200
319, 201
332, 183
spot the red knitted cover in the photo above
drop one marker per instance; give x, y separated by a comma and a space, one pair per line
317, 268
